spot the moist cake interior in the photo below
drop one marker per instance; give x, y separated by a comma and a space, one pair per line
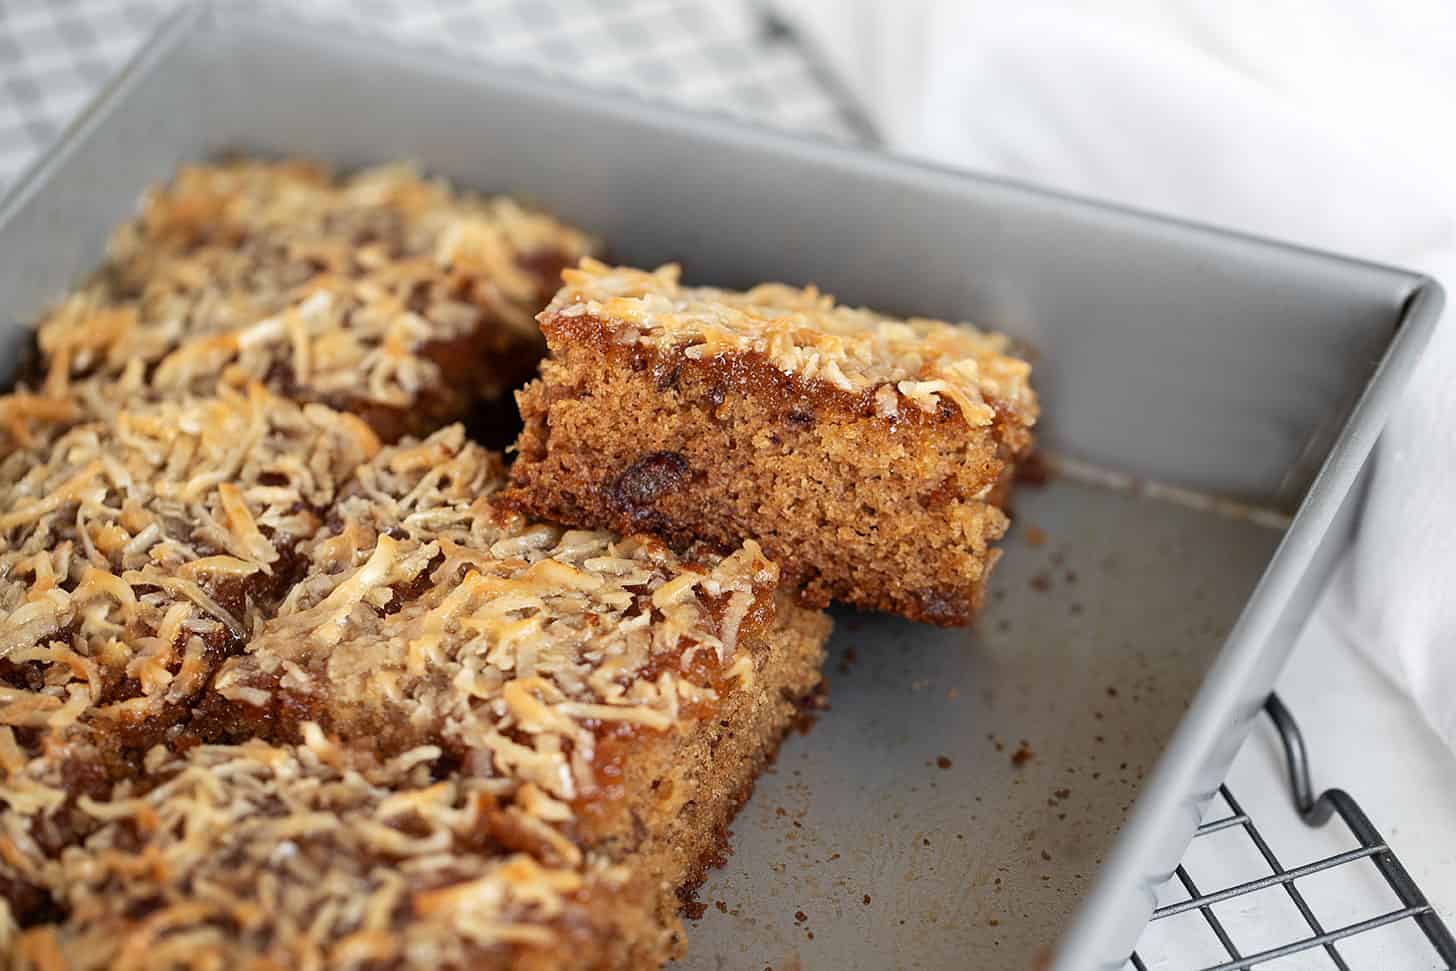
869, 456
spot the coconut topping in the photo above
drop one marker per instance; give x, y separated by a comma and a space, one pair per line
141, 541
430, 616
301, 856
809, 337
326, 288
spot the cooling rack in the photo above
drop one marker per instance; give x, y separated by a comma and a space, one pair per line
1321, 810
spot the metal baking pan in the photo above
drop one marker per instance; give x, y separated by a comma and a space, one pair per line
1002, 797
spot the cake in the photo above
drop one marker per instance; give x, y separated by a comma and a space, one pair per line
282, 683
295, 672
869, 456
461, 739
380, 293
141, 543
261, 855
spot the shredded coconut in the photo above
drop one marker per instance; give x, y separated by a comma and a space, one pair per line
806, 335
324, 287
256, 855
458, 624
121, 541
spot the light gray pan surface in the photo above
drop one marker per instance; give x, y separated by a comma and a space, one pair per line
1217, 363
1090, 648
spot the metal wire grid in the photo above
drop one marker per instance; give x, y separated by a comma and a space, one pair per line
1413, 905
729, 58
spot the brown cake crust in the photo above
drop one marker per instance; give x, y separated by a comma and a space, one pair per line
688, 413
380, 293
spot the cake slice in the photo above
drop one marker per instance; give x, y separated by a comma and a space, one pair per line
869, 456
380, 293
612, 700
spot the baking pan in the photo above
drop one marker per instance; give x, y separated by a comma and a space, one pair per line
1002, 797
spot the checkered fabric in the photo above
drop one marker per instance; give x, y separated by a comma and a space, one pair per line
718, 55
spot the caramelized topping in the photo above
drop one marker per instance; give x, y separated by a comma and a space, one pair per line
144, 540
807, 336
326, 288
299, 856
523, 643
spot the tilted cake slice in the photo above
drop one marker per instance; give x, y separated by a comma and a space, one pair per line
869, 456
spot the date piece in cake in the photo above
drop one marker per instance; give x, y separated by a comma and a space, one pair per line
614, 700
380, 293
140, 544
868, 455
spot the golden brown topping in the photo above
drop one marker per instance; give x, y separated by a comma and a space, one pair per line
431, 616
25, 416
472, 665
324, 287
139, 542
300, 856
807, 336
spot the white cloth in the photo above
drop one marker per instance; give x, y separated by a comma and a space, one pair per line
1324, 122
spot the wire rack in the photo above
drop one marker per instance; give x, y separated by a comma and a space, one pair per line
729, 57
1318, 812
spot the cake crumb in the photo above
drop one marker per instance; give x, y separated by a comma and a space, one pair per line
1033, 469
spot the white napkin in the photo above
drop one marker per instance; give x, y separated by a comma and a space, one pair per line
1326, 122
